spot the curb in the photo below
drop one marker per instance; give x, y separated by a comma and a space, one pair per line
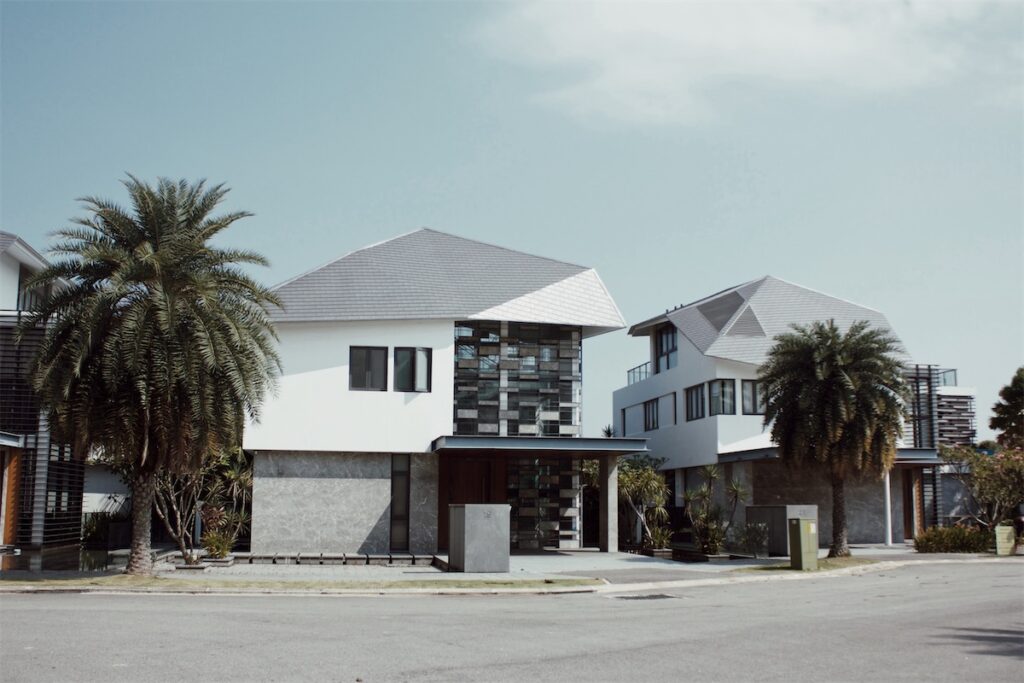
605, 588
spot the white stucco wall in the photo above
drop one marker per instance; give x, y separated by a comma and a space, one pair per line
314, 410
685, 444
9, 268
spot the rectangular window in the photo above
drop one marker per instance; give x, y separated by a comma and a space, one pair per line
723, 396
753, 397
695, 403
399, 503
368, 368
633, 420
412, 369
650, 415
665, 348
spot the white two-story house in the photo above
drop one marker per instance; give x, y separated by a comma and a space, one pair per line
425, 371
698, 402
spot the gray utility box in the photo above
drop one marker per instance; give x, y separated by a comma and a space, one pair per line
776, 517
478, 538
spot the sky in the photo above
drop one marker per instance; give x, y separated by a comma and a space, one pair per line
872, 150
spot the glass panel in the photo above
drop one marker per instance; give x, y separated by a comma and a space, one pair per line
404, 370
357, 368
378, 369
399, 535
422, 369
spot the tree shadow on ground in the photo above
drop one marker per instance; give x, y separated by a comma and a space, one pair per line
990, 641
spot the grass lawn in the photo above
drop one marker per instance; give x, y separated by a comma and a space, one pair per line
824, 564
154, 583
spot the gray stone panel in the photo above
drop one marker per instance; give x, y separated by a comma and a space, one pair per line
321, 502
423, 504
776, 484
479, 537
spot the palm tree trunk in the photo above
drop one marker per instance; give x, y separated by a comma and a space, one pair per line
140, 559
840, 546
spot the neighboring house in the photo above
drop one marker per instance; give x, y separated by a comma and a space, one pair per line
424, 371
41, 483
698, 402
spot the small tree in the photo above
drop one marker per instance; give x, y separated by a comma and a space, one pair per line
706, 518
995, 483
1008, 412
642, 489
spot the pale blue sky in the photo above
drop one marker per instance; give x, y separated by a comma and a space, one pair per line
871, 151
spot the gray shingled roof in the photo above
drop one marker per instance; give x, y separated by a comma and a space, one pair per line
428, 274
741, 323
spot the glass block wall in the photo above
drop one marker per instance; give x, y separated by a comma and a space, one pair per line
544, 495
517, 379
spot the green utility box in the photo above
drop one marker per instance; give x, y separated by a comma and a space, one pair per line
803, 544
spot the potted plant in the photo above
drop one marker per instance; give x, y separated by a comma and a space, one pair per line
659, 542
1006, 538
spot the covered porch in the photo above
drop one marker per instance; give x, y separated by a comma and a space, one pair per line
542, 480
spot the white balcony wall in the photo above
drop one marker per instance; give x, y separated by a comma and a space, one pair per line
314, 410
9, 269
685, 444
738, 427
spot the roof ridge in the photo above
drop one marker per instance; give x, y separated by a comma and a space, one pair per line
818, 291
503, 248
759, 280
343, 256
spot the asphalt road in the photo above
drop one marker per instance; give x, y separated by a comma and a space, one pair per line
962, 622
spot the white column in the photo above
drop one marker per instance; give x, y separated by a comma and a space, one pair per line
888, 509
608, 468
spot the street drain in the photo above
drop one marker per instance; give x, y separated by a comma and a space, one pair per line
654, 596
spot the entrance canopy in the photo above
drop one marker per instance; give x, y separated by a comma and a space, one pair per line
516, 446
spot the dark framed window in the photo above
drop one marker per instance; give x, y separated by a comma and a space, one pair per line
368, 368
695, 402
650, 415
413, 369
399, 502
753, 397
722, 395
665, 350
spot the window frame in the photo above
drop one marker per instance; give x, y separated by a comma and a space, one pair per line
711, 402
430, 369
757, 401
698, 390
671, 355
651, 415
384, 383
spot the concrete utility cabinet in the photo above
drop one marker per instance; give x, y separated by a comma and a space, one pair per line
803, 544
775, 517
478, 538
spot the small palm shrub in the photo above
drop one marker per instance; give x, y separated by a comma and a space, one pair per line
661, 536
954, 539
217, 543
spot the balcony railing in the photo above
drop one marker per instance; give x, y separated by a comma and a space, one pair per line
639, 373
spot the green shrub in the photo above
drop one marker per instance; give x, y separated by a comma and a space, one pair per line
954, 539
218, 544
661, 536
754, 538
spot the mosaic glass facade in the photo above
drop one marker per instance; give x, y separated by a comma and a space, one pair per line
517, 379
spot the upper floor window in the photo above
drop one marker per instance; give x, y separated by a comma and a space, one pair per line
650, 415
723, 396
695, 403
368, 368
665, 352
753, 397
412, 369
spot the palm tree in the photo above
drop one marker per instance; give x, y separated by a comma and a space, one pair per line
836, 400
157, 344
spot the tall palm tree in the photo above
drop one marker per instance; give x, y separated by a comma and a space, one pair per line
157, 344
836, 400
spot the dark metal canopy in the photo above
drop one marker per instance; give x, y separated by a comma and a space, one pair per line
538, 446
904, 456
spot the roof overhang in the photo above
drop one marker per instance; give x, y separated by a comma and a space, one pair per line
12, 440
538, 446
904, 456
